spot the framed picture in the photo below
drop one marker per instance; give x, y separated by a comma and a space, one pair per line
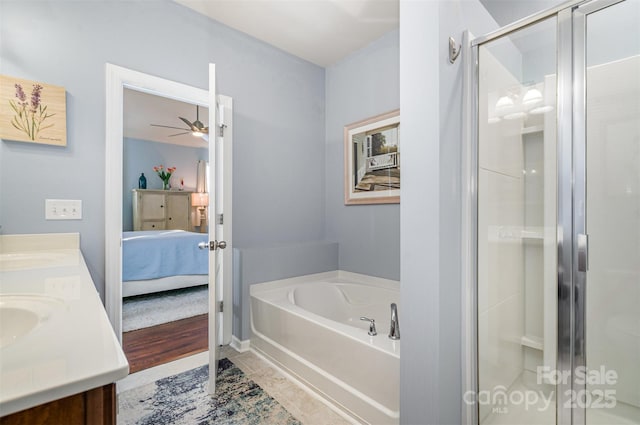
32, 112
372, 160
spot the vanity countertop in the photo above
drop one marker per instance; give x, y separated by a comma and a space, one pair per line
55, 337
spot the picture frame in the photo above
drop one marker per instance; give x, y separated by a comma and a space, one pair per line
32, 111
372, 160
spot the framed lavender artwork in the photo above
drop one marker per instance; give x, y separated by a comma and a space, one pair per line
32, 111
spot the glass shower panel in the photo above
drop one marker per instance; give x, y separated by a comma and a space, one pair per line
613, 215
517, 295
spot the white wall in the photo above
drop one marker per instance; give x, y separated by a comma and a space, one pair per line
431, 105
613, 220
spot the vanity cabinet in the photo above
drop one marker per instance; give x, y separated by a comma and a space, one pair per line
161, 210
93, 407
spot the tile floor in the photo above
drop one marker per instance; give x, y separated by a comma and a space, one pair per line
536, 414
304, 406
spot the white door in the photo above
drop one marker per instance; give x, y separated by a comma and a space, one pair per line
219, 221
224, 216
215, 254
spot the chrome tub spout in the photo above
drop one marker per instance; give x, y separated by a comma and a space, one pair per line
394, 332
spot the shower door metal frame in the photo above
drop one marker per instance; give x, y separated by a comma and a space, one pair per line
571, 202
579, 55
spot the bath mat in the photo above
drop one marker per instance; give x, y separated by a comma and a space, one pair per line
147, 310
183, 400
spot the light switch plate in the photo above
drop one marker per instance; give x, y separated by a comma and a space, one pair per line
63, 209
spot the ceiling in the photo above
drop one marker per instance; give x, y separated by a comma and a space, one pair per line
320, 31
143, 109
508, 11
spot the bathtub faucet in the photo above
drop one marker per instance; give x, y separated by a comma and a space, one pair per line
372, 326
394, 332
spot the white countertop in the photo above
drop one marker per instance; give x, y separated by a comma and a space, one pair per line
72, 348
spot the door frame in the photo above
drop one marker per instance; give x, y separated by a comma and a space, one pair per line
571, 197
117, 79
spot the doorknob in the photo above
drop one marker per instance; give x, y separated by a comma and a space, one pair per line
213, 245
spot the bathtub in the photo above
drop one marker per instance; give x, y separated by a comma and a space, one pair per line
310, 326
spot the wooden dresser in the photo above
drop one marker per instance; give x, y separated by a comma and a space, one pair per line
161, 210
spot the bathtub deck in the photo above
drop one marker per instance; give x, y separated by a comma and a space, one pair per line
309, 326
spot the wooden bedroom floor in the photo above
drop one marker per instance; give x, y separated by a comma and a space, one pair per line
164, 343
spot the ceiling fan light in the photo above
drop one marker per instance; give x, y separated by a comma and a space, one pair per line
197, 134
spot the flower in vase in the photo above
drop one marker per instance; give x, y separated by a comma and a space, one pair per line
165, 175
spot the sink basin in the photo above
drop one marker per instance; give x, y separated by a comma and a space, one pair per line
29, 260
22, 314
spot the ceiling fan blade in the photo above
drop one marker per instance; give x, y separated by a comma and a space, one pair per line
189, 124
168, 126
179, 134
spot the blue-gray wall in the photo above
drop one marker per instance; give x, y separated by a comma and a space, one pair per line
364, 84
264, 264
140, 156
279, 141
431, 289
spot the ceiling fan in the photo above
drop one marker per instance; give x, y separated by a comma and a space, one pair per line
196, 128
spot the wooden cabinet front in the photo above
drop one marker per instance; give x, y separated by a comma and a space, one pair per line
160, 210
178, 211
93, 407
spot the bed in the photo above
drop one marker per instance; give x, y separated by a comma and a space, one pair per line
161, 260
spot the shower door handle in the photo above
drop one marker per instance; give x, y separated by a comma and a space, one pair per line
583, 252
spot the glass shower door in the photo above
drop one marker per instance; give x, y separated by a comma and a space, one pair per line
558, 218
610, 39
516, 237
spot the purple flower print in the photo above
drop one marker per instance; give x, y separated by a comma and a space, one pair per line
20, 93
35, 97
29, 121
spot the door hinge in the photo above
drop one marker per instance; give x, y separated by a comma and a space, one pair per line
220, 218
221, 124
221, 306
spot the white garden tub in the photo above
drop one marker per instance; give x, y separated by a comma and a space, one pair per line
310, 326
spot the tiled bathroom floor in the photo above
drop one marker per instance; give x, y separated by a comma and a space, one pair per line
303, 406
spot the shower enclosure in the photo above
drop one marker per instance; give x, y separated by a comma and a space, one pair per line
555, 206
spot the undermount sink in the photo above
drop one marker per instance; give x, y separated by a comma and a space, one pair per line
27, 260
22, 314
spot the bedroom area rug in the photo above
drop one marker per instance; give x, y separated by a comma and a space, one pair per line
143, 311
182, 399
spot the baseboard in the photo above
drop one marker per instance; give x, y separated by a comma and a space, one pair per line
238, 345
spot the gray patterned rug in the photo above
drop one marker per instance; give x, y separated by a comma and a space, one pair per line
147, 310
183, 399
